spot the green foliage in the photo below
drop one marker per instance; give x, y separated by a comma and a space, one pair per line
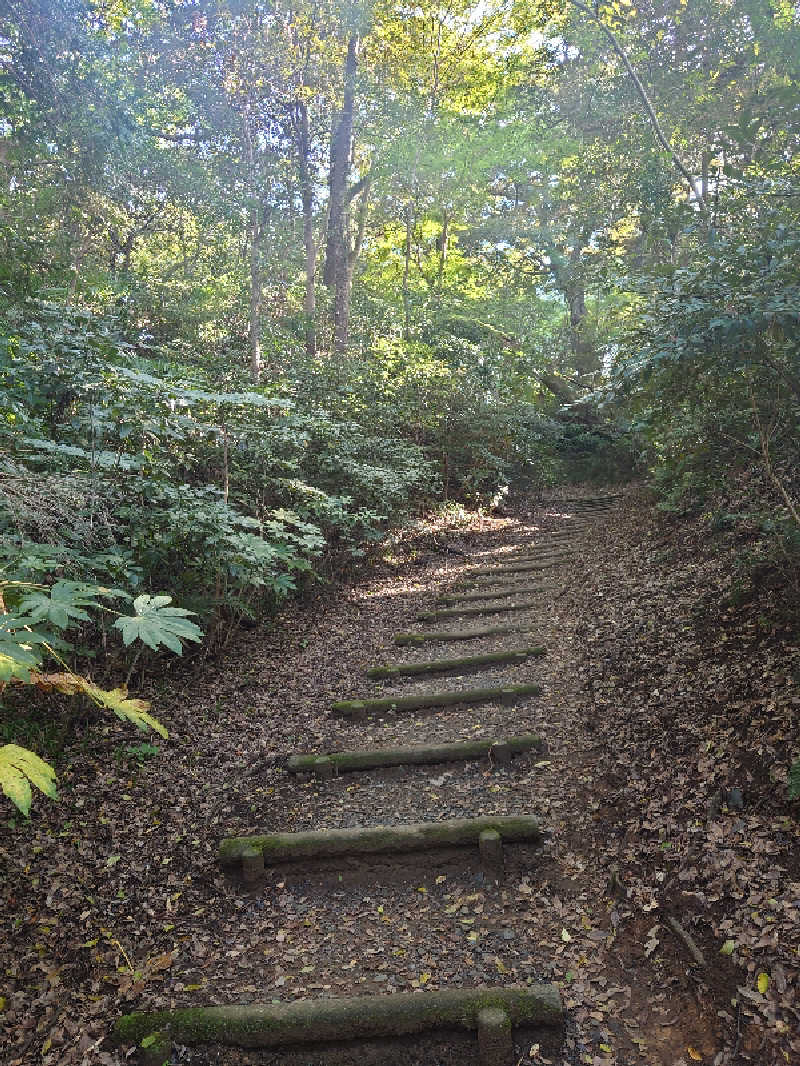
19, 769
156, 624
794, 780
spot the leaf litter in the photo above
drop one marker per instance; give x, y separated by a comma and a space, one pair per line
112, 905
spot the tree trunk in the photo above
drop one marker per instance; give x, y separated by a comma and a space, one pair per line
254, 236
443, 246
307, 197
344, 278
406, 265
341, 153
255, 296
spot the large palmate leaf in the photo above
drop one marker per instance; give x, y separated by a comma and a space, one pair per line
62, 605
19, 769
155, 624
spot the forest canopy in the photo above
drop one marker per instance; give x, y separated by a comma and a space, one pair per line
276, 275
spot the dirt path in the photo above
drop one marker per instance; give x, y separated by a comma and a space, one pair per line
123, 905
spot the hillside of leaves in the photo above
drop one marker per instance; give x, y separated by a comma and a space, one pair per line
272, 279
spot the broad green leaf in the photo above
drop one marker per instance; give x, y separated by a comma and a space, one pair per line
727, 947
21, 768
762, 983
156, 624
62, 605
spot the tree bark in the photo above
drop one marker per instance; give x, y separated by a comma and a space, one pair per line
443, 246
341, 153
255, 255
344, 277
406, 266
307, 198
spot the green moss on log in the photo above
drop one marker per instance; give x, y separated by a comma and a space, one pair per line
418, 754
454, 636
466, 662
434, 699
355, 1018
377, 840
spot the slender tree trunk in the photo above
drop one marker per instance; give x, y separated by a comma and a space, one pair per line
255, 296
661, 137
307, 197
443, 247
341, 153
406, 265
344, 279
255, 254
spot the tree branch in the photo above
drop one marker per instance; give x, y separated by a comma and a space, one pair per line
651, 114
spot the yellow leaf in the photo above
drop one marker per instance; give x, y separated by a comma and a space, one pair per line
424, 978
694, 1054
565, 936
500, 967
762, 984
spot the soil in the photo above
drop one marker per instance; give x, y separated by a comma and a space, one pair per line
657, 701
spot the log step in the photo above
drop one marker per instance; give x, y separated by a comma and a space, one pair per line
303, 1022
495, 594
489, 608
505, 694
252, 852
500, 751
518, 568
442, 637
466, 662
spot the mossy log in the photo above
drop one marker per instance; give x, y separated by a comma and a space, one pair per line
414, 755
489, 608
609, 499
454, 636
491, 594
271, 1025
466, 662
506, 694
517, 568
377, 840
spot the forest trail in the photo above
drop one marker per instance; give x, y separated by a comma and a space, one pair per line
147, 920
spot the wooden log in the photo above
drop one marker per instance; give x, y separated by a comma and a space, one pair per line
359, 708
377, 840
419, 754
490, 845
404, 639
471, 597
495, 1042
466, 663
516, 568
275, 1025
489, 608
155, 1050
252, 865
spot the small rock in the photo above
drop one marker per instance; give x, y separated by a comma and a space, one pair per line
714, 805
508, 934
734, 799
